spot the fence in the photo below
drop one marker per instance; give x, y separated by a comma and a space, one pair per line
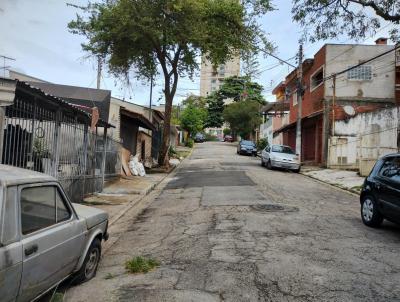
51, 140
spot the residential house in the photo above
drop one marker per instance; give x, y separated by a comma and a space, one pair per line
275, 115
45, 133
365, 88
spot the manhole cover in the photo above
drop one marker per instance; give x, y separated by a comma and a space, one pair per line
272, 208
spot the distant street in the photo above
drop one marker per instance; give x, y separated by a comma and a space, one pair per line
227, 229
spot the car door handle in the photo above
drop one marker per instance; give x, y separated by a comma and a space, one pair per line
30, 250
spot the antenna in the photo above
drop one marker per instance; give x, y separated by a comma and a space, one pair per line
4, 63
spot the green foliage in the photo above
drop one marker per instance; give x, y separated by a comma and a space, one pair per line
243, 117
141, 265
358, 18
262, 143
147, 37
241, 88
227, 131
193, 117
171, 151
190, 143
251, 67
215, 109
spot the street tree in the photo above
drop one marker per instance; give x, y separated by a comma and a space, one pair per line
151, 37
243, 117
241, 88
193, 118
357, 18
215, 108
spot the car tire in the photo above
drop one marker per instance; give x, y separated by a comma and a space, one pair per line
370, 214
269, 165
90, 264
296, 170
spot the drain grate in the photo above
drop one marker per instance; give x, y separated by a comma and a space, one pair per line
273, 208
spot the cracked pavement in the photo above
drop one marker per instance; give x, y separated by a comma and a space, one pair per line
226, 229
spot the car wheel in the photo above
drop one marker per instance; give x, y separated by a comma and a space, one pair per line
369, 212
90, 264
296, 170
269, 166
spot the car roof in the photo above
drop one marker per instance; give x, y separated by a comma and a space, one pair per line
390, 155
281, 146
10, 175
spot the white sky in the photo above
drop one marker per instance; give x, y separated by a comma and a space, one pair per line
35, 33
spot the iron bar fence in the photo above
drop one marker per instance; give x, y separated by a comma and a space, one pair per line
56, 142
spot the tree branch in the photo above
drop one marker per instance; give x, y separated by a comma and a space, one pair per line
378, 10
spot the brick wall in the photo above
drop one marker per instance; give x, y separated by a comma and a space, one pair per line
312, 99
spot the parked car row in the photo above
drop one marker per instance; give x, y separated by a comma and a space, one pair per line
380, 194
44, 238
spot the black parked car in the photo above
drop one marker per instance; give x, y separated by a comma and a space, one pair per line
247, 147
380, 195
199, 138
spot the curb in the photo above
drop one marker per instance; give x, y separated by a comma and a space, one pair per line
349, 191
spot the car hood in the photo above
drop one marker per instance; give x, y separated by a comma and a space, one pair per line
91, 215
248, 147
283, 156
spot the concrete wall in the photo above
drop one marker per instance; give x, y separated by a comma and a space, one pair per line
361, 140
340, 57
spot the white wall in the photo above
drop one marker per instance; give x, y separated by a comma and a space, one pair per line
340, 57
365, 137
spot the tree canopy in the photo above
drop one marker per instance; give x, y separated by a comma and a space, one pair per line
241, 88
215, 108
243, 117
357, 18
193, 117
151, 37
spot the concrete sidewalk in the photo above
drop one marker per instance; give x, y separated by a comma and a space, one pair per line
120, 195
347, 180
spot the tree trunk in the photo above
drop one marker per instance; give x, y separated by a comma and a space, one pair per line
163, 159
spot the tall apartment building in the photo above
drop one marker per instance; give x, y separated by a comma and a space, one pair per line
211, 78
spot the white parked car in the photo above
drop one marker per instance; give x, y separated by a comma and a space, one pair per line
280, 156
43, 237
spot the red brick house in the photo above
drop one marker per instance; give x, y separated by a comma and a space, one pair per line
364, 88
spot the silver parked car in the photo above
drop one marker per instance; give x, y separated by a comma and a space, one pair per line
280, 156
43, 237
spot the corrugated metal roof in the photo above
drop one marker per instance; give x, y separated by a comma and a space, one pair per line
58, 100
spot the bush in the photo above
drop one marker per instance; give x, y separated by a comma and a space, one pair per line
190, 143
262, 143
227, 131
171, 152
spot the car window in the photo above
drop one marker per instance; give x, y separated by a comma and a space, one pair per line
391, 169
282, 149
247, 143
41, 207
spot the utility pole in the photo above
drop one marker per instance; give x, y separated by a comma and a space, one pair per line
333, 104
4, 64
151, 98
299, 101
99, 66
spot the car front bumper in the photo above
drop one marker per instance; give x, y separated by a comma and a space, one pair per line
285, 165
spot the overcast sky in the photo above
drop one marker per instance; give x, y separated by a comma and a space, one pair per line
35, 33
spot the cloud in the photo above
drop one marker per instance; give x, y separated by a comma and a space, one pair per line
1, 10
35, 22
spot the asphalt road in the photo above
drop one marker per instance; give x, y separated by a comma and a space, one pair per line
226, 229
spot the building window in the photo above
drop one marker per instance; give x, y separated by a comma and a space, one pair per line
360, 73
213, 88
317, 78
222, 70
214, 81
295, 98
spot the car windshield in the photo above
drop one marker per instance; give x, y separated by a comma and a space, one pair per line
247, 143
282, 149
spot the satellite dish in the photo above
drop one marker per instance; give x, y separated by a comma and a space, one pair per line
349, 110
